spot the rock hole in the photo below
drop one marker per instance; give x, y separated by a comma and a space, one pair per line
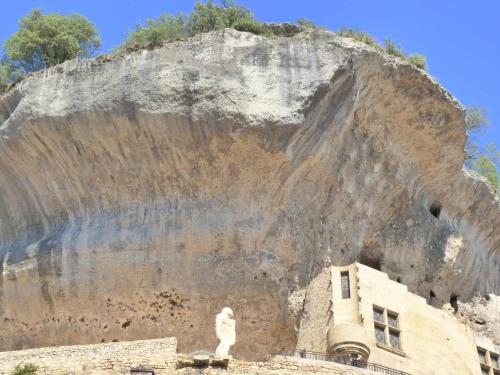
432, 297
487, 297
435, 209
454, 302
398, 279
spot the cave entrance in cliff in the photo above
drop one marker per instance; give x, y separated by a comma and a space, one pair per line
435, 209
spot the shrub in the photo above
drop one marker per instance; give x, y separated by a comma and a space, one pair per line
249, 25
208, 16
156, 31
9, 75
418, 60
25, 369
486, 168
393, 49
360, 36
475, 118
47, 40
204, 17
304, 22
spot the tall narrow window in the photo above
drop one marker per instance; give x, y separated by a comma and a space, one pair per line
346, 286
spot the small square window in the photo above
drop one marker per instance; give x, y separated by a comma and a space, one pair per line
378, 315
482, 355
380, 334
495, 360
485, 371
394, 339
392, 319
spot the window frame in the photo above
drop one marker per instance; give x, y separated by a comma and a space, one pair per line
491, 361
345, 292
388, 329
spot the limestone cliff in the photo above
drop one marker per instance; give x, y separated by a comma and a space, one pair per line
140, 195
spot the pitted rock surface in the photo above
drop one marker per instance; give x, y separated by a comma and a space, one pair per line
138, 196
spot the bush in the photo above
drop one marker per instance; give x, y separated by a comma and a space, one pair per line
208, 16
304, 22
393, 49
250, 25
204, 17
418, 60
9, 75
47, 40
475, 118
25, 369
360, 36
155, 32
486, 168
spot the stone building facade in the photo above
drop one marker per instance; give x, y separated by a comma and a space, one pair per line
374, 318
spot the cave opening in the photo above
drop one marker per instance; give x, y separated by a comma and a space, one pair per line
398, 279
432, 297
435, 209
454, 302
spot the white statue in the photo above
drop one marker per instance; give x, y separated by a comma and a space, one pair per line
225, 329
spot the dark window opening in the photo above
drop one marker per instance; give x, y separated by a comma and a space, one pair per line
398, 279
432, 296
346, 285
454, 302
435, 209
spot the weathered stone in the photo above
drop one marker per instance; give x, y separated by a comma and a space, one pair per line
139, 196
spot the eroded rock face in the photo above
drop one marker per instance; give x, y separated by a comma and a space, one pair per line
140, 196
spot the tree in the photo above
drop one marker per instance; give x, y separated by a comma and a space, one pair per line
475, 118
44, 40
486, 168
9, 75
475, 121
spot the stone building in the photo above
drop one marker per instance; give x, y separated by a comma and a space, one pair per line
375, 319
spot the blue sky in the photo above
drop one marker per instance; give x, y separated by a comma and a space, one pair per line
461, 39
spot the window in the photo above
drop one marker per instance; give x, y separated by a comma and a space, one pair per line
394, 339
482, 355
380, 334
378, 315
489, 362
346, 285
495, 360
387, 332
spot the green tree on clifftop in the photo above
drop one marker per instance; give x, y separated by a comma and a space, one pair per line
44, 40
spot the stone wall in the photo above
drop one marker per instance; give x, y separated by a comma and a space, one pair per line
106, 358
160, 354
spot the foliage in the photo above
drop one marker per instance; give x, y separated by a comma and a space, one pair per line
360, 36
475, 118
304, 22
485, 167
25, 369
9, 75
418, 60
208, 16
393, 49
156, 31
47, 40
204, 17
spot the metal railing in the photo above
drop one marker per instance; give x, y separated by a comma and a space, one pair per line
341, 360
